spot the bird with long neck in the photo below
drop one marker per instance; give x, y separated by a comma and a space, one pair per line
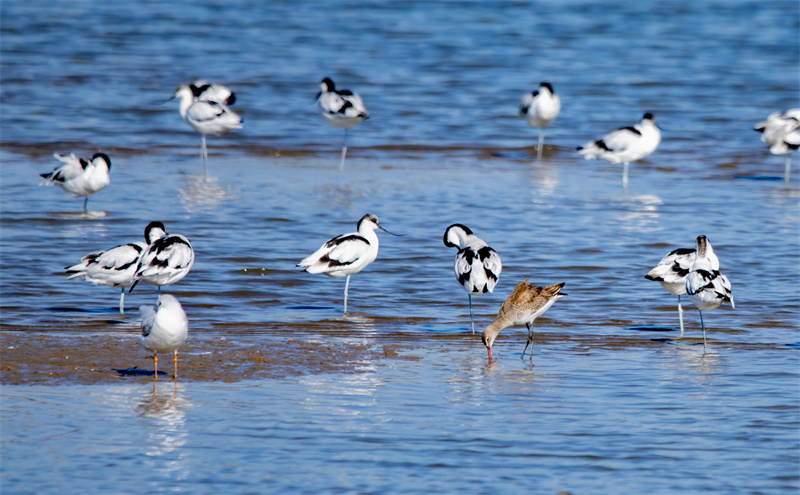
526, 303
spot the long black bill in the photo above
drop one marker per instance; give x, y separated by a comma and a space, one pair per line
392, 233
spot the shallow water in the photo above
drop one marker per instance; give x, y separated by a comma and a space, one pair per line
616, 402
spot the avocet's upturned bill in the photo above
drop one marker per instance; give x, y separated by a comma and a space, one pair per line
164, 329
625, 145
526, 303
477, 266
706, 286
541, 107
206, 117
342, 109
167, 259
346, 254
80, 177
671, 272
203, 90
781, 132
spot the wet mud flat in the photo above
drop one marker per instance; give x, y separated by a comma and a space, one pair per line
62, 358
55, 359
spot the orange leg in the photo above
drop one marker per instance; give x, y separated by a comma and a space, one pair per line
176, 365
155, 364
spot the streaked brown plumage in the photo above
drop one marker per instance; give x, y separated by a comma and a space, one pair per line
522, 307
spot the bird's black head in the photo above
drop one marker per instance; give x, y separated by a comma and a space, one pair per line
451, 238
104, 157
198, 90
649, 116
150, 228
328, 84
548, 86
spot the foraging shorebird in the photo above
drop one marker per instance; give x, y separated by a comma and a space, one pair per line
347, 254
80, 177
164, 329
706, 286
671, 272
205, 117
526, 303
541, 108
342, 109
203, 90
477, 266
167, 259
781, 131
625, 145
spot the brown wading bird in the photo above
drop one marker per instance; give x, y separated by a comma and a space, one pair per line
525, 304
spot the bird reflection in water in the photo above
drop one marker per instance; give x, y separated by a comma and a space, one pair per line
202, 193
165, 413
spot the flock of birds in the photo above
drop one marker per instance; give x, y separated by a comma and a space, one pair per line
164, 259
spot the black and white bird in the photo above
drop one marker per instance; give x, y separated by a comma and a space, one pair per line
347, 254
80, 177
541, 108
164, 329
781, 132
206, 117
625, 145
342, 109
167, 259
671, 272
477, 266
203, 90
706, 286
114, 268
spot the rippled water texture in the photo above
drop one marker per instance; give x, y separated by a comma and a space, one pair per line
281, 392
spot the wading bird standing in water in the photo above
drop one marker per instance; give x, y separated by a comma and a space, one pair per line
541, 108
346, 254
671, 271
166, 260
477, 266
341, 109
625, 145
526, 303
706, 286
80, 177
781, 131
205, 117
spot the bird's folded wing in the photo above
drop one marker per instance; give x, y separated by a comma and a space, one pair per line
347, 249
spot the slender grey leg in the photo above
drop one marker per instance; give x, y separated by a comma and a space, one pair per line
470, 314
346, 285
704, 331
788, 170
344, 151
625, 176
122, 302
529, 341
541, 144
85, 202
680, 313
205, 155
